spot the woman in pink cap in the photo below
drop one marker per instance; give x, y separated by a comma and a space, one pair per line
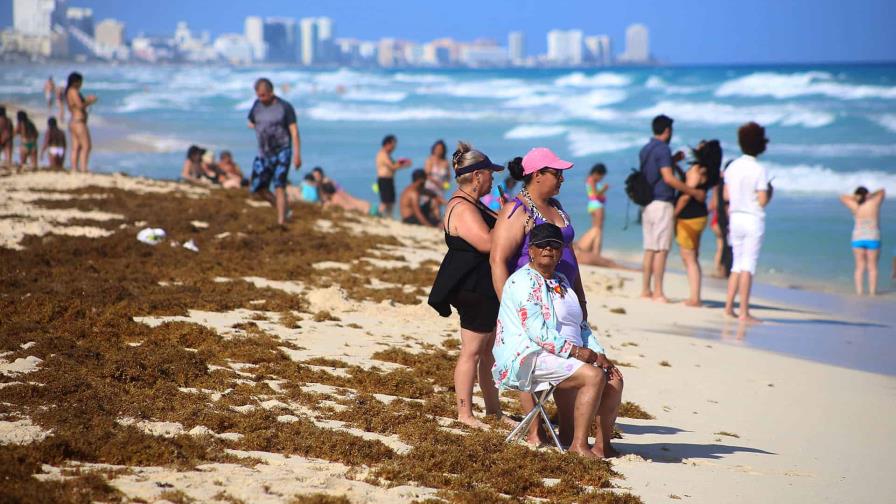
542, 174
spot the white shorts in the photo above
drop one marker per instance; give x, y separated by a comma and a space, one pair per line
657, 223
745, 233
551, 369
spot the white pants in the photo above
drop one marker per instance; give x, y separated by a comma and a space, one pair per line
745, 233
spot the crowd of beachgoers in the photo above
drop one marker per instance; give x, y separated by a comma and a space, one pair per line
511, 270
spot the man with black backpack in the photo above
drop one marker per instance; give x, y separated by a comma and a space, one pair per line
657, 219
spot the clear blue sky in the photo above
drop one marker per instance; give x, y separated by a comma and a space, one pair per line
682, 31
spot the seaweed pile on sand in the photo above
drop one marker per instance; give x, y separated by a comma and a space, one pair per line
111, 396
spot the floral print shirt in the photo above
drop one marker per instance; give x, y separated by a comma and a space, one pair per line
527, 324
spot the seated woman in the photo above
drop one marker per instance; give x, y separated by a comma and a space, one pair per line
333, 194
543, 339
196, 169
231, 175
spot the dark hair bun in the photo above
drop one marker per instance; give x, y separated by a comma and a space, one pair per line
515, 168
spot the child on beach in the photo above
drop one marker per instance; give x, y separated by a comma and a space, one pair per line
500, 194
54, 144
27, 131
865, 208
596, 189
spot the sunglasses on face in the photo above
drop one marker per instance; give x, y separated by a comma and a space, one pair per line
551, 245
556, 173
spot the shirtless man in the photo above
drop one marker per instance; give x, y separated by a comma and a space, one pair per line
77, 105
50, 92
385, 174
6, 136
410, 206
865, 208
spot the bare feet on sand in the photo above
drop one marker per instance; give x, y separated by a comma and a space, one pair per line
659, 298
584, 451
646, 295
608, 452
693, 304
749, 319
730, 314
473, 422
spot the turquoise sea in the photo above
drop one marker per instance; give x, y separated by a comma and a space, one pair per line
832, 128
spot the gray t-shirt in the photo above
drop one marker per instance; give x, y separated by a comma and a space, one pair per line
272, 125
655, 155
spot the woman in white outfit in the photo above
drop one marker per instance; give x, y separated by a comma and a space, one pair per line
748, 192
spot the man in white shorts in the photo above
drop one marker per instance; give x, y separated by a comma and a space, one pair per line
748, 192
657, 219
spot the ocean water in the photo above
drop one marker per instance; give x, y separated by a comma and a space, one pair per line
832, 128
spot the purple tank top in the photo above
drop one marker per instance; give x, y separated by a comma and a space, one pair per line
567, 265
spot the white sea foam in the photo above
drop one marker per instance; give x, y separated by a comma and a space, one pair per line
789, 114
888, 121
524, 131
365, 113
833, 150
815, 178
420, 78
585, 142
657, 83
793, 85
491, 88
375, 96
602, 79
157, 143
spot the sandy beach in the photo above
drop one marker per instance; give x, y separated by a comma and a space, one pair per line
274, 366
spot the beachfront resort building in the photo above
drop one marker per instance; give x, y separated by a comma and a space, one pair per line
637, 45
565, 47
516, 47
598, 50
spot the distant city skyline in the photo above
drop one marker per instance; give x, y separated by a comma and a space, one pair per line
684, 32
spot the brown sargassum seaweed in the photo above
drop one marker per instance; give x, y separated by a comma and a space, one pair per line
76, 298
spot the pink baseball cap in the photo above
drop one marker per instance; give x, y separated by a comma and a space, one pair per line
542, 157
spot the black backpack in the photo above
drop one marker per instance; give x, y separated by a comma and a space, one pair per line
638, 189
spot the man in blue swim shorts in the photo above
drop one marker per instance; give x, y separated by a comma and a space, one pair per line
274, 121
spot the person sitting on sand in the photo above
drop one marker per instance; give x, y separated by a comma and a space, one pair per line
747, 191
865, 235
54, 144
544, 339
412, 209
464, 280
333, 194
230, 173
307, 191
194, 170
6, 137
27, 132
691, 214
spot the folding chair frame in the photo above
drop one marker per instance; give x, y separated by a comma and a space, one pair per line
538, 411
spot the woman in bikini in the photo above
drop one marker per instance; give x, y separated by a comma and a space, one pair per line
54, 144
437, 174
865, 208
77, 125
27, 131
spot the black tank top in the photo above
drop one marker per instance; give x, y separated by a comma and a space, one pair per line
463, 267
